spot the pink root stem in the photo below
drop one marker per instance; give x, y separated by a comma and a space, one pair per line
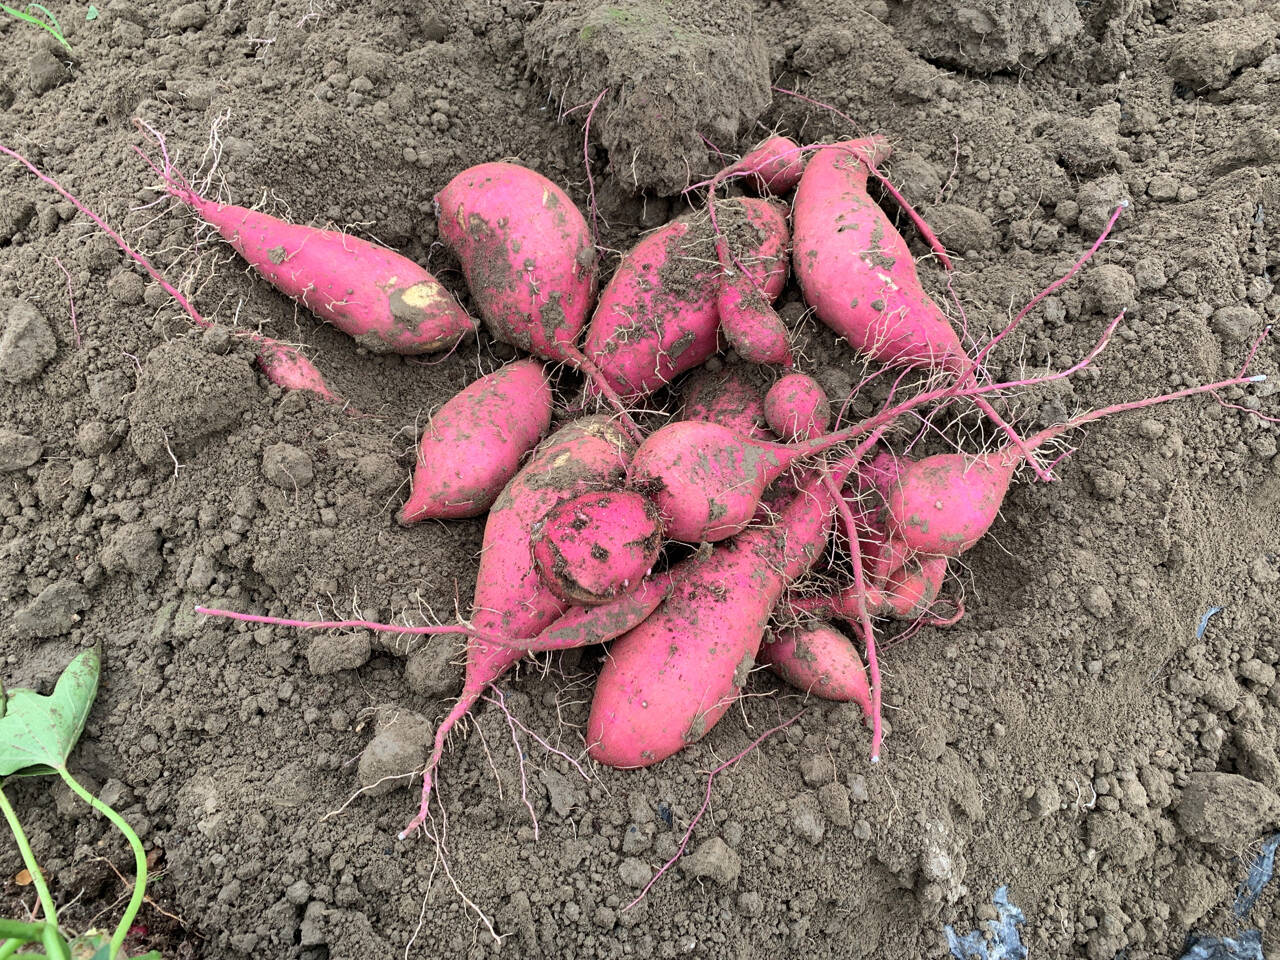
582, 362
175, 183
706, 802
460, 709
864, 616
1075, 268
950, 621
427, 631
1059, 428
119, 240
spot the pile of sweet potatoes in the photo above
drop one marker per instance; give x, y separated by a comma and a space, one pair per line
733, 533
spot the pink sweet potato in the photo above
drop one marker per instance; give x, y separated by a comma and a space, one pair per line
750, 324
596, 546
856, 270
909, 591
773, 165
945, 503
796, 408
668, 681
526, 252
819, 659
583, 626
384, 300
474, 444
511, 599
658, 315
859, 276
707, 480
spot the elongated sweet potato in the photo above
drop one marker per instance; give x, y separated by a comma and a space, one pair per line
669, 680
658, 316
474, 444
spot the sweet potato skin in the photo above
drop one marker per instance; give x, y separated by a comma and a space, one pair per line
944, 504
594, 547
474, 444
796, 407
855, 269
820, 660
384, 300
658, 315
731, 397
668, 681
526, 252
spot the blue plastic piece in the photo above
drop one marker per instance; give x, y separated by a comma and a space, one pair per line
1204, 621
1247, 947
1005, 943
1260, 874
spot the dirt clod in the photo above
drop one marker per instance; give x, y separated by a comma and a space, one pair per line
287, 467
1207, 57
1226, 810
27, 343
332, 653
714, 860
184, 398
17, 450
674, 74
53, 612
396, 753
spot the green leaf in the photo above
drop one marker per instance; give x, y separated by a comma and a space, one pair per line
36, 730
92, 14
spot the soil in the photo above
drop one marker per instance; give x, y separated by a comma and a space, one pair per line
1083, 735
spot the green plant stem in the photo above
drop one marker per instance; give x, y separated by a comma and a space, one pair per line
9, 948
139, 860
54, 945
20, 930
37, 878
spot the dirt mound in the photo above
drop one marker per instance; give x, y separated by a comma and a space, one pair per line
671, 77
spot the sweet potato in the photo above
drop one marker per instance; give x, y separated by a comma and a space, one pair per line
819, 659
385, 301
474, 444
773, 165
594, 547
707, 480
526, 252
668, 681
796, 408
855, 269
658, 315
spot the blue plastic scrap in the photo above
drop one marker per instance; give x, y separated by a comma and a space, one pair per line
1204, 621
1248, 945
1005, 943
1260, 873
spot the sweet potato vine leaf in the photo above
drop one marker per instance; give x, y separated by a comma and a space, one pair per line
38, 733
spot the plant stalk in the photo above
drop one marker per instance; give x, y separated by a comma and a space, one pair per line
37, 878
139, 860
